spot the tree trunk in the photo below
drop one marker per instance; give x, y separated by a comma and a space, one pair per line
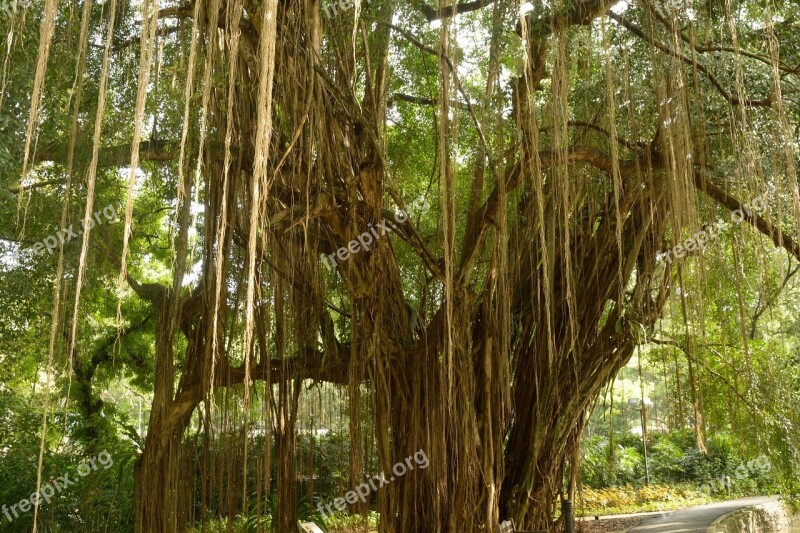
156, 499
157, 480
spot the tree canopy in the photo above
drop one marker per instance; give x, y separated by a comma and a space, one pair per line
227, 225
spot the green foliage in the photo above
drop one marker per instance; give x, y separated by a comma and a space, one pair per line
598, 471
627, 499
97, 501
265, 520
341, 520
326, 458
674, 459
667, 460
255, 522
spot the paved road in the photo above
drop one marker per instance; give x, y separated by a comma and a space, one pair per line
696, 519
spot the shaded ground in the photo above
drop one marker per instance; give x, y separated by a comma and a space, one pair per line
610, 524
691, 520
695, 519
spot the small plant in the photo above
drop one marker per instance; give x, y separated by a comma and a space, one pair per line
267, 519
341, 521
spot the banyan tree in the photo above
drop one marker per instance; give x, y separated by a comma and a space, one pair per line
455, 214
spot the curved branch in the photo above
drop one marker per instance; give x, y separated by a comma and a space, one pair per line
589, 126
732, 203
548, 159
681, 347
767, 61
155, 150
421, 100
152, 292
703, 49
576, 14
761, 308
446, 12
309, 364
115, 156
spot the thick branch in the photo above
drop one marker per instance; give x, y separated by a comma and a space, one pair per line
716, 192
110, 156
446, 12
548, 158
309, 364
577, 14
116, 156
31, 186
157, 151
589, 126
152, 292
420, 100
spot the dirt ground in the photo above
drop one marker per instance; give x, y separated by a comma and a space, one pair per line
610, 525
